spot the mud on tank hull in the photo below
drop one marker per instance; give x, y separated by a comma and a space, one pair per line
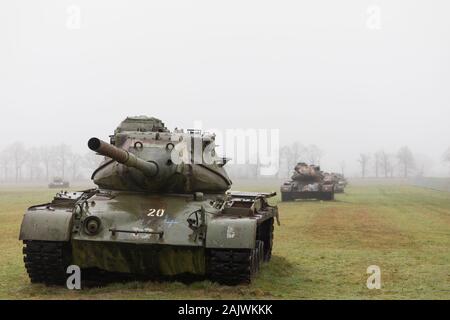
156, 235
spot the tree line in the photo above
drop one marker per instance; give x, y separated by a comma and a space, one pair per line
388, 165
378, 164
21, 164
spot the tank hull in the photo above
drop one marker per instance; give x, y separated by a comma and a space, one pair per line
152, 235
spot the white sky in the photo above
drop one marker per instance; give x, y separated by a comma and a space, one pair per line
312, 69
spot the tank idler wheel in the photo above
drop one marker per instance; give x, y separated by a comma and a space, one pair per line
46, 261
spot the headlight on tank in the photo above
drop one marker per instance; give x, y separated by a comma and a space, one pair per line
92, 225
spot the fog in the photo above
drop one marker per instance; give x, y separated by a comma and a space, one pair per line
348, 76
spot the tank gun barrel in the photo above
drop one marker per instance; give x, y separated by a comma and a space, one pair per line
122, 156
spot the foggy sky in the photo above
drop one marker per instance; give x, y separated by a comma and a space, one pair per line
312, 69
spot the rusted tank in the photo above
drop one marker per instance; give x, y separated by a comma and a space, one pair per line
308, 182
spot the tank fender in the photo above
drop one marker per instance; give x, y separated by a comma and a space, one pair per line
46, 225
228, 233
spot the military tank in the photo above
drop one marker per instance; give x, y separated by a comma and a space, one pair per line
161, 208
58, 182
308, 182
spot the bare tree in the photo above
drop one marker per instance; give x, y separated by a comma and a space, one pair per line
314, 154
364, 161
406, 160
385, 162
33, 162
47, 156
62, 155
4, 163
19, 156
392, 168
286, 155
297, 151
292, 155
378, 156
75, 162
41, 162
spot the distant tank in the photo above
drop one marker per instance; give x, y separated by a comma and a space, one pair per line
162, 208
308, 182
340, 182
58, 183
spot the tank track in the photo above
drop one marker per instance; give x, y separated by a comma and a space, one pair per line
230, 266
46, 261
234, 266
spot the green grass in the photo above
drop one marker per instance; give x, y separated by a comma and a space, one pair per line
321, 251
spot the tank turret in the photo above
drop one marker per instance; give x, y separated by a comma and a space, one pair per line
305, 172
143, 156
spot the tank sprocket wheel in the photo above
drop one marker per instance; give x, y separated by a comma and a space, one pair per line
46, 261
232, 266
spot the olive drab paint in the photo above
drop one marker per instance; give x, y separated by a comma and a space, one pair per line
153, 213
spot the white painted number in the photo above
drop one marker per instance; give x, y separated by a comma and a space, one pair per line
155, 212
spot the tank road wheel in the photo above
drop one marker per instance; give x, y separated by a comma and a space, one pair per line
232, 266
265, 234
46, 261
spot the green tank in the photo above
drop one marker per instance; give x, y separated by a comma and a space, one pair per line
162, 208
58, 182
308, 182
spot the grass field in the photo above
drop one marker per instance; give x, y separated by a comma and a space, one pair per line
321, 251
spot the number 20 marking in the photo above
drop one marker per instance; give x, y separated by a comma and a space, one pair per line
155, 212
